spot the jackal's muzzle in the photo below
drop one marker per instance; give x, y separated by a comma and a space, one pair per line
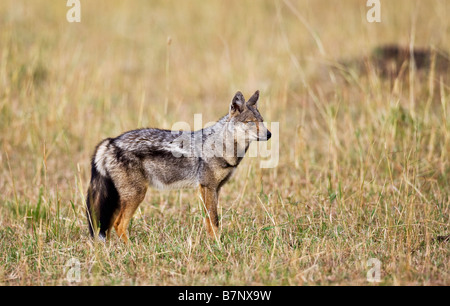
263, 133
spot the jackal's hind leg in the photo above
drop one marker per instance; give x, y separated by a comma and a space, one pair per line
128, 207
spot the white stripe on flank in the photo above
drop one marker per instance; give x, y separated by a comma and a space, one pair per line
100, 158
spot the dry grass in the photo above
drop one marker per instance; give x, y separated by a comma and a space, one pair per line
364, 163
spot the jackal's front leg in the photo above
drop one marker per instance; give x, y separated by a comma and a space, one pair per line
209, 198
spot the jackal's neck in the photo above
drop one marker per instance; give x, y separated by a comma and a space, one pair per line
214, 130
221, 141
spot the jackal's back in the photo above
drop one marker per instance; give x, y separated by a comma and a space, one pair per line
154, 154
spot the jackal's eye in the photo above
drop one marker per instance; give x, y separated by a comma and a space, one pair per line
251, 123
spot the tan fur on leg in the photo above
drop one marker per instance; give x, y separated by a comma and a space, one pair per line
209, 201
127, 210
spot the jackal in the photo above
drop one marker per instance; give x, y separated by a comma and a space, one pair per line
124, 167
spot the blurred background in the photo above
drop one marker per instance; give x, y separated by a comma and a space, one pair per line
68, 85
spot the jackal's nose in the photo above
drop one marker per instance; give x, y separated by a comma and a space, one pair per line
269, 134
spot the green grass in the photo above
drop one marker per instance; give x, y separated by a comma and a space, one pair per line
364, 161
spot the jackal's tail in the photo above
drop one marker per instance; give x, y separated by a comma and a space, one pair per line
102, 197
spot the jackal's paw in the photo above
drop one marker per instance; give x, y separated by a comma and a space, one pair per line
212, 229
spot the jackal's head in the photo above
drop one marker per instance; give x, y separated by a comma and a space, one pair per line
245, 119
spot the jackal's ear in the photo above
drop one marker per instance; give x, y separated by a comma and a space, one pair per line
237, 104
253, 99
